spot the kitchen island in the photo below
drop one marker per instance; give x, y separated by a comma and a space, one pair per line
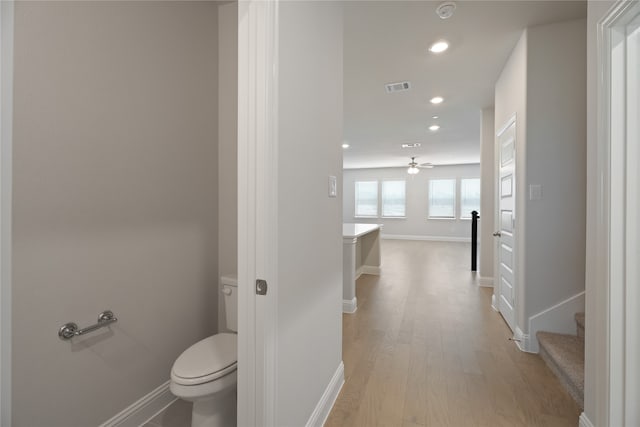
360, 255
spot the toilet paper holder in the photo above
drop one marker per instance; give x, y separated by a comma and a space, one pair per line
70, 330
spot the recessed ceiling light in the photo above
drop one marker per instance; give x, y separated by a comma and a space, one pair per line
435, 117
439, 47
345, 145
434, 128
437, 100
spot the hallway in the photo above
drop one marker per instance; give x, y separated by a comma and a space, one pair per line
425, 349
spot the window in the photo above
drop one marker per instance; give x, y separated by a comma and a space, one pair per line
469, 197
367, 198
442, 198
393, 199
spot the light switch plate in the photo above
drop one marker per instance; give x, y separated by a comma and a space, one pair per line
535, 192
333, 186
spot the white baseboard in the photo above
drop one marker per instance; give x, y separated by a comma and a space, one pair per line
370, 269
522, 340
427, 238
485, 282
559, 319
349, 306
584, 421
144, 409
324, 406
494, 304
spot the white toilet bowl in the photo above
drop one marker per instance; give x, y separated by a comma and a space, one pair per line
206, 374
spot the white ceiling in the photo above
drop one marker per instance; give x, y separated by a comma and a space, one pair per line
388, 42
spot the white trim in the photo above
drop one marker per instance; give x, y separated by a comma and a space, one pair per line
144, 409
6, 183
370, 269
328, 399
485, 282
617, 385
494, 306
584, 421
425, 238
350, 306
257, 210
521, 339
559, 319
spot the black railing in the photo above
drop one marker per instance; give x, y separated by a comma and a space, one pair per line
474, 240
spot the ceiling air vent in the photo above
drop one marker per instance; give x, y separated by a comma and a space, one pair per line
397, 87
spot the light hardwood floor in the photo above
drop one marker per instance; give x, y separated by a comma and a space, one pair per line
425, 349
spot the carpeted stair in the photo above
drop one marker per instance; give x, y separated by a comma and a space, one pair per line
564, 354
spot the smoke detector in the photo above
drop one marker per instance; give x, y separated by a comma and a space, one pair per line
445, 10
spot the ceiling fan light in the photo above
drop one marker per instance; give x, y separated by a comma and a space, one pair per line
413, 170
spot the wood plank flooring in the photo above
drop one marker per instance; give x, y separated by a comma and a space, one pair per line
425, 349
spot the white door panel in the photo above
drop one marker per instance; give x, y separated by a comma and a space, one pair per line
506, 222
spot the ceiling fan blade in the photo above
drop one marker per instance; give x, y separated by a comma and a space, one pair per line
427, 165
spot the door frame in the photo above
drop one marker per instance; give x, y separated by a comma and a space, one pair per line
618, 386
6, 184
257, 210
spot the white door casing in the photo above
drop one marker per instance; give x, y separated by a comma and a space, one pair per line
257, 210
618, 217
505, 233
6, 144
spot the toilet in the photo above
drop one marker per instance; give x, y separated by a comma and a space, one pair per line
206, 372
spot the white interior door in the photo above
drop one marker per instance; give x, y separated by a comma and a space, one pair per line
505, 235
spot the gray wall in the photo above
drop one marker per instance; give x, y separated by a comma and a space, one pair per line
309, 338
115, 200
227, 144
544, 83
556, 160
416, 223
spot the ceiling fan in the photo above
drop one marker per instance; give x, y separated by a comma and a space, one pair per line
414, 167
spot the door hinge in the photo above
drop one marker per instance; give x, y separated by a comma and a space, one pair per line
261, 287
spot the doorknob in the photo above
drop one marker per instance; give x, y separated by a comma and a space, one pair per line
497, 234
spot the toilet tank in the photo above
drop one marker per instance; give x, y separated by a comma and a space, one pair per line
230, 293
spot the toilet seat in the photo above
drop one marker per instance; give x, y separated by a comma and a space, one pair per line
207, 360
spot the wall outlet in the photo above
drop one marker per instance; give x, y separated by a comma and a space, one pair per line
333, 186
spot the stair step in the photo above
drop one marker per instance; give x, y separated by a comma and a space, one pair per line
580, 323
564, 354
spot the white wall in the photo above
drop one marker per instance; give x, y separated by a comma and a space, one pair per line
544, 84
115, 201
309, 336
227, 144
416, 223
487, 203
596, 367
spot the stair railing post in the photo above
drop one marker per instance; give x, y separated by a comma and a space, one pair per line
474, 240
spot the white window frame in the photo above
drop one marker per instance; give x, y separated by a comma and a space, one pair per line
455, 197
382, 198
355, 207
459, 191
